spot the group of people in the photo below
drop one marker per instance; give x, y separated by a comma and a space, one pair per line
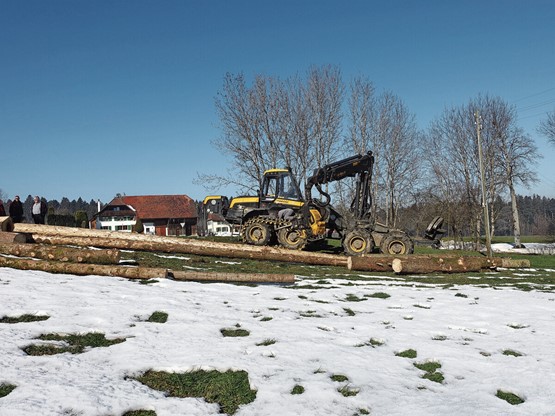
38, 211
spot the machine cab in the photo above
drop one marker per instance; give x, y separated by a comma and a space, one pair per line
280, 187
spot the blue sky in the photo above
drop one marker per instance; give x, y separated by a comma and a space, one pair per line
106, 97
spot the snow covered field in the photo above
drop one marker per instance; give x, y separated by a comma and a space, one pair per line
318, 333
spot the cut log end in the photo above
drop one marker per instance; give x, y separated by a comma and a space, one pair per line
6, 224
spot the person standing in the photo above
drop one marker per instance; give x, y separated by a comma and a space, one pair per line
39, 210
16, 210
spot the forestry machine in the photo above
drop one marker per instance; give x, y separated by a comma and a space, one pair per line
281, 213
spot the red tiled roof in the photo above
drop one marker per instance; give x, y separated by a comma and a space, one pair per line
159, 206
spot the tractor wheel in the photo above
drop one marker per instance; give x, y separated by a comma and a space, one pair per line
257, 233
397, 245
357, 243
291, 238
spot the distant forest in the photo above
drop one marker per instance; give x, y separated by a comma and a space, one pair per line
537, 215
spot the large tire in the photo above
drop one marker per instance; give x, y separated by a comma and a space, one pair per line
397, 245
357, 243
257, 233
291, 238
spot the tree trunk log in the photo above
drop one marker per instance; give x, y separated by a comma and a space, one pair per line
6, 224
415, 264
442, 264
7, 237
371, 263
116, 239
64, 254
140, 272
509, 263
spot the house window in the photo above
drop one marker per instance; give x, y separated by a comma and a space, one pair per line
123, 228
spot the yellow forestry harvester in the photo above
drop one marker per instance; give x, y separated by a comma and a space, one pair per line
280, 213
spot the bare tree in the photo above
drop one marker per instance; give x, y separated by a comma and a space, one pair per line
324, 96
547, 127
451, 151
515, 153
276, 123
508, 155
396, 152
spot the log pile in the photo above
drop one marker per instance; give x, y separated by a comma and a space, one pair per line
414, 264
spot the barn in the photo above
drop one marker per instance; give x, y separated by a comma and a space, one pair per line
165, 215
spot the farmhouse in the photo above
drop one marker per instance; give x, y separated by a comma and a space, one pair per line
166, 215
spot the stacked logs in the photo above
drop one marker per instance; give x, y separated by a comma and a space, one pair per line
110, 240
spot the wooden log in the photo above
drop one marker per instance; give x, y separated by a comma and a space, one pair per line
8, 237
139, 272
47, 234
509, 263
6, 224
372, 263
442, 264
64, 254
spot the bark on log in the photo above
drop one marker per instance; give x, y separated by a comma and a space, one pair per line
442, 264
415, 264
509, 263
48, 234
6, 224
140, 272
371, 263
7, 237
64, 254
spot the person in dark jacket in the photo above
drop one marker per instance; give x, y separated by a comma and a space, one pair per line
39, 210
16, 210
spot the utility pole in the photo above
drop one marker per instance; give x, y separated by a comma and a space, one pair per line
483, 181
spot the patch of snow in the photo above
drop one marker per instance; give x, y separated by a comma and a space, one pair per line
308, 349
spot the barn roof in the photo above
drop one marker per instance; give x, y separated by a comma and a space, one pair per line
158, 206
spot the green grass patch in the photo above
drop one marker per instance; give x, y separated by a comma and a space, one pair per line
229, 389
339, 378
266, 319
72, 343
349, 311
23, 318
6, 389
373, 342
428, 366
147, 281
510, 398
353, 298
410, 353
310, 314
140, 413
512, 353
297, 389
158, 317
234, 332
348, 391
378, 295
266, 342
436, 377
323, 277
431, 373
